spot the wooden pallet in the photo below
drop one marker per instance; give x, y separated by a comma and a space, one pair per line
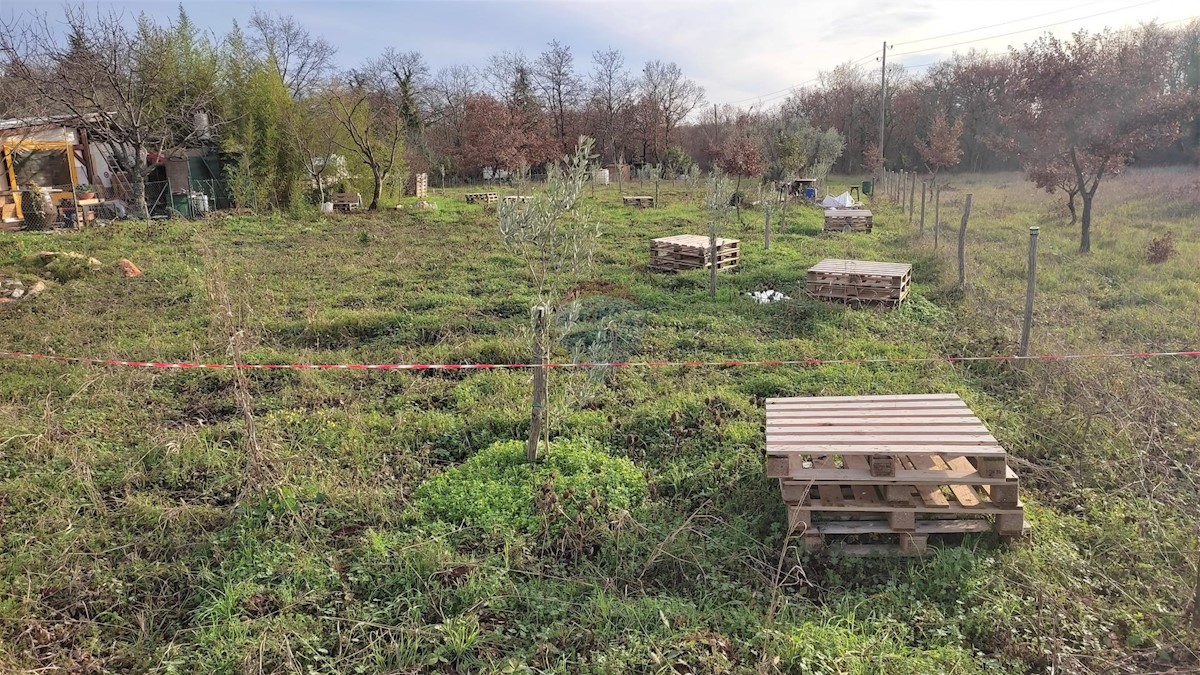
346, 202
848, 220
641, 202
877, 537
898, 460
417, 185
486, 198
859, 281
692, 251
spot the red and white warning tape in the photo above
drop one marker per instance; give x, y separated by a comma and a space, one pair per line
616, 364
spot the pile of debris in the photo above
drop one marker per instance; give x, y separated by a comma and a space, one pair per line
842, 201
767, 296
12, 290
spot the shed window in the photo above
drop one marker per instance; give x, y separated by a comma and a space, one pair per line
46, 168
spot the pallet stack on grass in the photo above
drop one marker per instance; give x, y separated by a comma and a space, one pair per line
641, 202
485, 198
345, 202
882, 474
859, 281
691, 252
848, 220
417, 185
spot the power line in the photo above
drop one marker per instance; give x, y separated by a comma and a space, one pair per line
995, 25
872, 56
1027, 30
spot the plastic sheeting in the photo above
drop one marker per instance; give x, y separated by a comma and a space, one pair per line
841, 201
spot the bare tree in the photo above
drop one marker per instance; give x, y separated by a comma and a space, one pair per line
313, 135
447, 94
611, 91
672, 97
502, 75
410, 74
365, 108
135, 88
301, 58
561, 89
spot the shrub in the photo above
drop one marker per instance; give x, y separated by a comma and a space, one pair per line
33, 208
568, 500
1161, 249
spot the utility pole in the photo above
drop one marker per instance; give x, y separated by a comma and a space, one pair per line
1030, 285
882, 98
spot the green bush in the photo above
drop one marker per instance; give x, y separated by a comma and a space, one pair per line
570, 497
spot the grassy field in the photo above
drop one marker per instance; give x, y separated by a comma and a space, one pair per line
336, 522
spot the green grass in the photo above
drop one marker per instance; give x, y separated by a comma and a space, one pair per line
141, 532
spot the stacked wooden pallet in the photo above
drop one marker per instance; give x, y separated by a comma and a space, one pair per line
859, 281
417, 185
900, 468
848, 220
691, 251
486, 198
641, 202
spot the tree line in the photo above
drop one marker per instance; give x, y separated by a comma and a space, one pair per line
1067, 111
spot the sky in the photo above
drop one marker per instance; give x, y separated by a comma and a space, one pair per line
744, 52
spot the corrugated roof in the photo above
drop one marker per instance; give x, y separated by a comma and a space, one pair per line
48, 120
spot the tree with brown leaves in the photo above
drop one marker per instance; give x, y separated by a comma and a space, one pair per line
940, 149
1088, 104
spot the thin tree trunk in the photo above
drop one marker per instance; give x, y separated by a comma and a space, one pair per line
1085, 234
737, 199
138, 187
923, 186
376, 191
1071, 208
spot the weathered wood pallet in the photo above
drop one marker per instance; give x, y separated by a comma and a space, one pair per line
641, 201
877, 537
346, 201
692, 251
848, 220
417, 185
921, 437
859, 281
896, 461
487, 198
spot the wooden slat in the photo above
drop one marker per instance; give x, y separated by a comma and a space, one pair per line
931, 495
850, 527
902, 477
820, 419
838, 266
875, 406
965, 494
877, 428
822, 449
822, 438
868, 398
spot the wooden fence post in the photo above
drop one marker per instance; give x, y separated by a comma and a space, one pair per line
538, 413
766, 228
1030, 284
712, 260
962, 243
937, 213
923, 184
912, 195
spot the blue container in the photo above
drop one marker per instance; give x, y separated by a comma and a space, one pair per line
810, 193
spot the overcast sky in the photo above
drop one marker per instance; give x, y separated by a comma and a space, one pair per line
742, 52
